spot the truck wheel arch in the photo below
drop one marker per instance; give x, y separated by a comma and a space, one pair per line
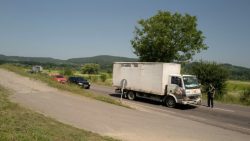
171, 95
172, 98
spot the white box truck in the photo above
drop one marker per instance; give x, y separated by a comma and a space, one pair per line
156, 81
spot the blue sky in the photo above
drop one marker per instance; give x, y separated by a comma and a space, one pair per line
82, 28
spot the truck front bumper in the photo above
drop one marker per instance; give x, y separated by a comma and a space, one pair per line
194, 102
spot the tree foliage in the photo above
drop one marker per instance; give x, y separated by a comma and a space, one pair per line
91, 68
245, 97
210, 72
167, 37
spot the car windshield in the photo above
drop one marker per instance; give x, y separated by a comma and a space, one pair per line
190, 82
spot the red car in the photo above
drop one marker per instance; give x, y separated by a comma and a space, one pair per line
60, 78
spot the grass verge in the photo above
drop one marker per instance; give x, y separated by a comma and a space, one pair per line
67, 87
238, 92
17, 123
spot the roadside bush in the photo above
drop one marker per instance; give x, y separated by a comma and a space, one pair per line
100, 79
245, 97
211, 72
103, 77
68, 72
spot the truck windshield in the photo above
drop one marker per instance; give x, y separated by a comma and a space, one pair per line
190, 82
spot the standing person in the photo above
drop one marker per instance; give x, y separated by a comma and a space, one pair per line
210, 96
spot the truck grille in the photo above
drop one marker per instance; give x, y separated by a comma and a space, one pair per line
193, 97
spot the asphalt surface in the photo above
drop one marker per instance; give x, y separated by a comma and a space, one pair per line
227, 116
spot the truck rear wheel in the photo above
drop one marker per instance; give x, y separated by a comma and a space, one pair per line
131, 95
170, 102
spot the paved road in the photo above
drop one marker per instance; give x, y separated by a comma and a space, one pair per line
144, 124
232, 117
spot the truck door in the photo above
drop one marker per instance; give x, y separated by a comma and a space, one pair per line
175, 86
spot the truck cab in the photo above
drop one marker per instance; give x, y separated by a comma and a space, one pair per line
183, 89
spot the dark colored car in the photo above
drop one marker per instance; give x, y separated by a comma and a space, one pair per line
79, 81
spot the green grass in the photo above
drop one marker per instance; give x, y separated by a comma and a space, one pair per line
238, 92
67, 87
237, 85
17, 123
51, 71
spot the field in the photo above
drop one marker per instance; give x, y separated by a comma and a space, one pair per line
238, 92
17, 123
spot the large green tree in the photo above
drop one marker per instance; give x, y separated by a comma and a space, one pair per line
167, 37
211, 72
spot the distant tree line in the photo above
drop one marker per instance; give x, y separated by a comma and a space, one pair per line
238, 73
235, 72
2, 62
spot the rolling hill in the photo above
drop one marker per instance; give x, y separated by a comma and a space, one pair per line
101, 59
31, 59
106, 61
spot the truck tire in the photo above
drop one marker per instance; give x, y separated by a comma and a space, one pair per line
131, 95
170, 102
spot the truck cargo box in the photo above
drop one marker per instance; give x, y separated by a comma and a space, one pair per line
144, 76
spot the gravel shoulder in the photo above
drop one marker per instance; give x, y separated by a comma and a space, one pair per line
108, 119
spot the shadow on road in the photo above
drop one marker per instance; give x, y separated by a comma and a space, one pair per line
157, 103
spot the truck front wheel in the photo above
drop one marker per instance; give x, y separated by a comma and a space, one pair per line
131, 95
170, 102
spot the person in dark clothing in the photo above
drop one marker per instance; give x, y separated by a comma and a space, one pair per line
210, 96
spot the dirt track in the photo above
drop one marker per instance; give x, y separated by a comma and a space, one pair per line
107, 119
